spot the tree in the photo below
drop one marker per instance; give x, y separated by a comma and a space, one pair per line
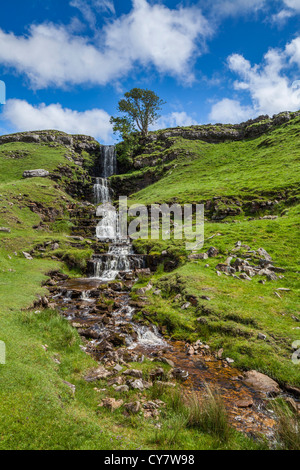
141, 109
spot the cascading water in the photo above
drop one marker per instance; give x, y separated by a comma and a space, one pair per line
101, 191
109, 160
108, 266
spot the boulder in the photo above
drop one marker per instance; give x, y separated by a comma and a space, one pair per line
262, 383
139, 384
180, 374
27, 255
196, 256
36, 174
264, 254
111, 403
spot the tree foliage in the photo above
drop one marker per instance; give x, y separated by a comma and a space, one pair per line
141, 109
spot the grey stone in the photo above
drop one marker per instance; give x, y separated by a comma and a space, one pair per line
36, 173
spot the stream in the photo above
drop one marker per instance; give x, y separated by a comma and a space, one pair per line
112, 336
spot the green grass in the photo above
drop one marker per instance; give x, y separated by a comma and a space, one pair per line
38, 410
238, 310
241, 169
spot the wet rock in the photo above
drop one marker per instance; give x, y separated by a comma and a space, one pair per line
97, 374
190, 350
89, 333
229, 360
180, 374
111, 403
35, 174
117, 340
133, 407
246, 403
262, 383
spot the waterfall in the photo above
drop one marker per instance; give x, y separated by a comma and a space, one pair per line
109, 160
101, 191
108, 168
107, 266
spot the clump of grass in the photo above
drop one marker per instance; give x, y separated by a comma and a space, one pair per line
288, 429
209, 414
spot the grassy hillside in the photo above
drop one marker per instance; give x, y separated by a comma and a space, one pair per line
243, 169
38, 409
240, 183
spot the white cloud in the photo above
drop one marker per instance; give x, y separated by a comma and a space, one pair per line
90, 8
282, 16
150, 35
229, 111
237, 7
175, 119
23, 116
270, 90
293, 4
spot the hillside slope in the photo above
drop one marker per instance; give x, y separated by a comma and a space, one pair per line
40, 216
250, 189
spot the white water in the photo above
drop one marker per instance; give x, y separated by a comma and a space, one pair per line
101, 191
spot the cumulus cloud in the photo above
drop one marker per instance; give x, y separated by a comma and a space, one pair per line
230, 111
175, 119
149, 35
270, 90
21, 115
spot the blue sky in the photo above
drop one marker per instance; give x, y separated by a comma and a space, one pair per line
66, 63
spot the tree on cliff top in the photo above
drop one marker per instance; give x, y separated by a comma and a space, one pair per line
141, 109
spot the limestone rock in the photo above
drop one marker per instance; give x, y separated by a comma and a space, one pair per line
111, 403
36, 174
139, 384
